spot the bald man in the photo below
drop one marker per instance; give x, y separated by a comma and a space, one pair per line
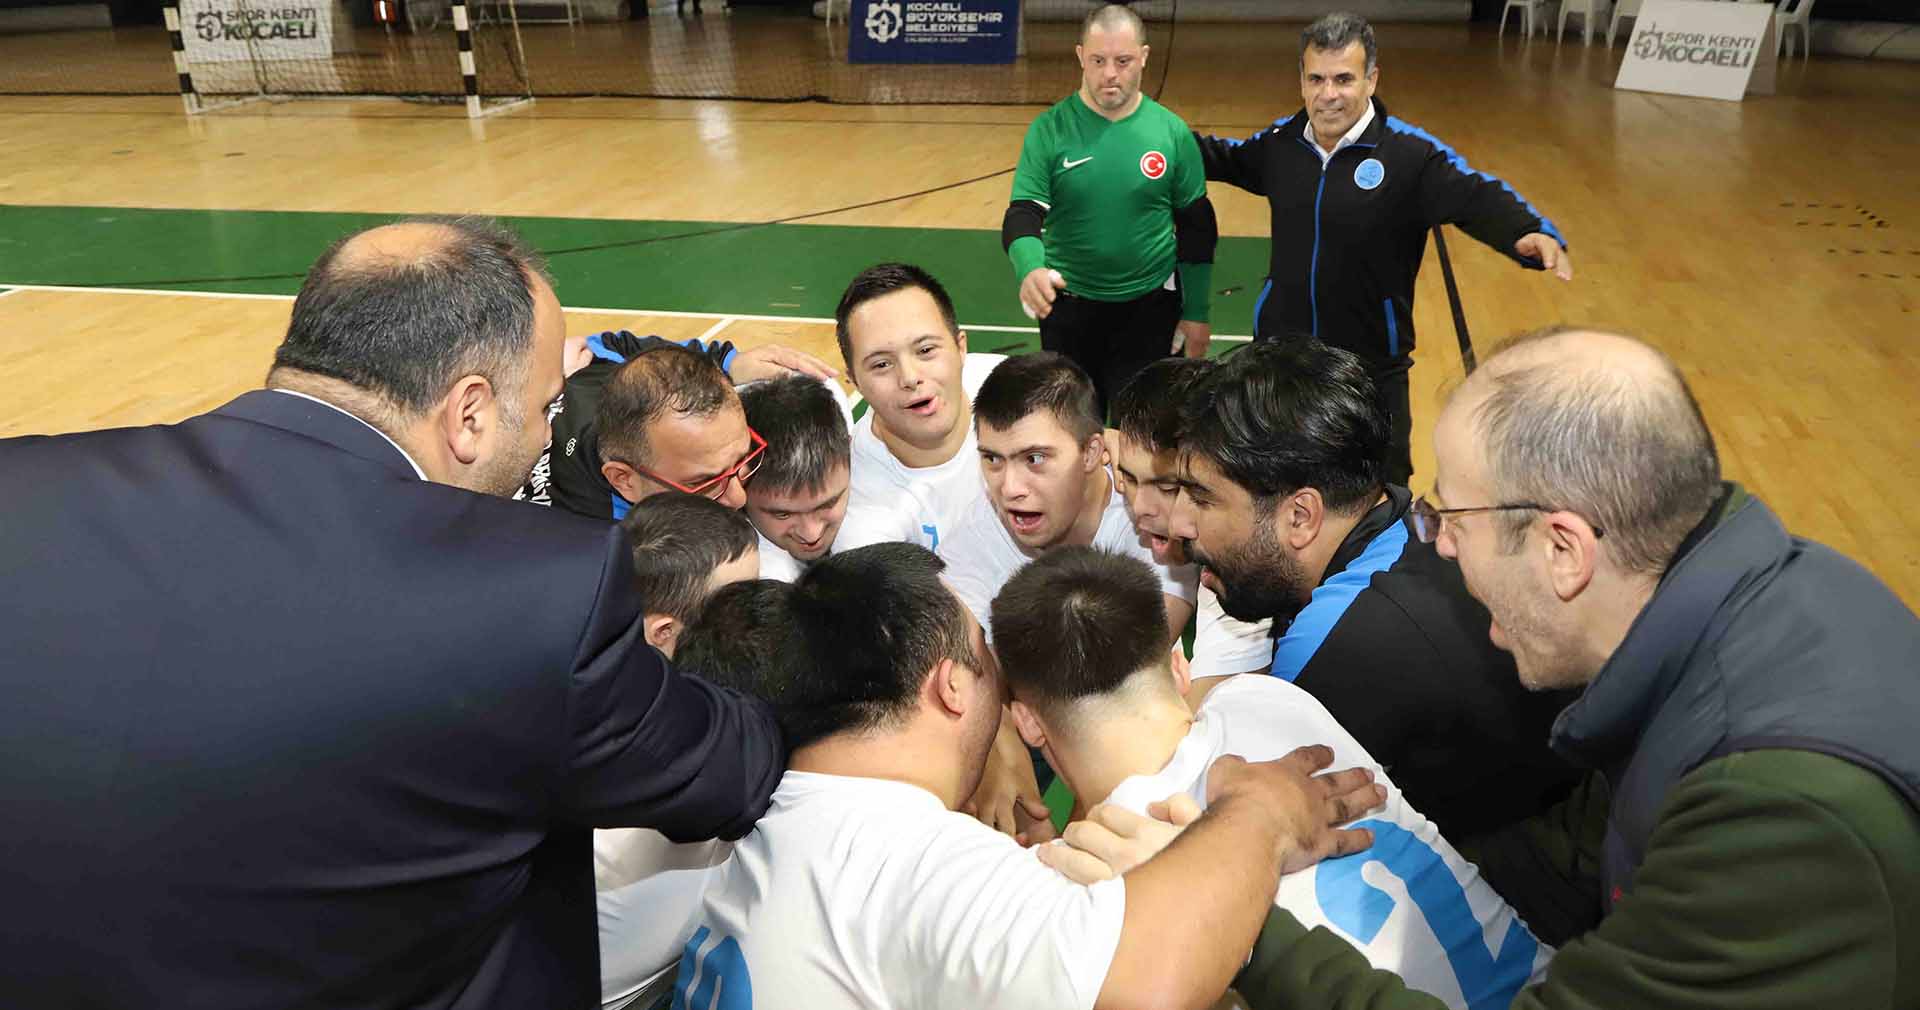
1749, 696
1109, 228
299, 713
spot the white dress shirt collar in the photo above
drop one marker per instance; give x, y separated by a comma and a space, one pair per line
422, 474
1359, 127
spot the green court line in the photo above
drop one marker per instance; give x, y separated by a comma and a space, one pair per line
777, 270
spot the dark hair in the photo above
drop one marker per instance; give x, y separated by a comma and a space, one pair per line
1336, 31
678, 540
1282, 415
879, 281
1147, 408
805, 431
662, 378
872, 621
1631, 456
1078, 621
1026, 383
743, 639
404, 328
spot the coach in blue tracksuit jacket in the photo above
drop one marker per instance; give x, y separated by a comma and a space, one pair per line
1353, 191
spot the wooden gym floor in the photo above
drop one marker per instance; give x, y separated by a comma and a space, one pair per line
1772, 247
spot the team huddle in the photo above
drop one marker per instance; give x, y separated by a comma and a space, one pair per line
1015, 537
1108, 675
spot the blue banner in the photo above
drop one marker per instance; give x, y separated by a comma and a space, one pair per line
933, 31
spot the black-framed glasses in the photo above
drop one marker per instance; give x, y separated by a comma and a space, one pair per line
1427, 519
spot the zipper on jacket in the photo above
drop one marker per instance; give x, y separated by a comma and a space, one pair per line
1313, 268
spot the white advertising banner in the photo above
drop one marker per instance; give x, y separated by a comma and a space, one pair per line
237, 31
1704, 48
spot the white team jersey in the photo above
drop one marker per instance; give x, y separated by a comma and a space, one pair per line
1409, 903
647, 890
776, 563
981, 555
1224, 645
857, 893
890, 502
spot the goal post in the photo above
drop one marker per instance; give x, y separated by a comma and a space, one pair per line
228, 52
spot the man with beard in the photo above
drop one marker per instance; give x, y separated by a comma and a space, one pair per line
1282, 499
1109, 228
1146, 474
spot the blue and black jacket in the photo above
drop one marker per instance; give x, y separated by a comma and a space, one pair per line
568, 473
1348, 238
1395, 648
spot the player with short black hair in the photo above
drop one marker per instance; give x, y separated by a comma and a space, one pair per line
1144, 444
913, 469
1101, 698
798, 497
1029, 383
743, 638
684, 547
1041, 456
874, 620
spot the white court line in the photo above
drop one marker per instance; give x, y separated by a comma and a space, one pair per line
144, 291
4, 292
725, 321
724, 318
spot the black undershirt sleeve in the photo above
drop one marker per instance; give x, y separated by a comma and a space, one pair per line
1024, 218
1195, 232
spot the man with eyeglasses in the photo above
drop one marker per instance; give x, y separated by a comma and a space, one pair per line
1750, 696
675, 422
1282, 500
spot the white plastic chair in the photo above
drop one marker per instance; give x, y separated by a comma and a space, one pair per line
1623, 9
1588, 11
1783, 20
1527, 10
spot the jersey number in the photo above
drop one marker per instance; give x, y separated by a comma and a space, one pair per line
933, 535
1489, 980
716, 982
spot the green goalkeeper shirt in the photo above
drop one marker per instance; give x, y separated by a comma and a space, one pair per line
1110, 190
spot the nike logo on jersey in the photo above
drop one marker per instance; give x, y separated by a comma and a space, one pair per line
1065, 164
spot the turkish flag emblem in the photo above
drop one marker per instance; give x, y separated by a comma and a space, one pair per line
1153, 164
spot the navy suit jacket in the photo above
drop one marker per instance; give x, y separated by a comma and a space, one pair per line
282, 725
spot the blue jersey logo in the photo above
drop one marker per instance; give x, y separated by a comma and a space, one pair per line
1369, 174
717, 981
1489, 979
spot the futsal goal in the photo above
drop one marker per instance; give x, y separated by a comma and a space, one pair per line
228, 52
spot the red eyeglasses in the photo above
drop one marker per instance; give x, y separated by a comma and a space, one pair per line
716, 487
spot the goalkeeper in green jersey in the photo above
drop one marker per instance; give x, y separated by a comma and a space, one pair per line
1109, 229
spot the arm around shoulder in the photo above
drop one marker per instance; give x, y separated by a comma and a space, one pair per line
1752, 894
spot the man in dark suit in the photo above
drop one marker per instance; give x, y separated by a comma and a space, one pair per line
296, 718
